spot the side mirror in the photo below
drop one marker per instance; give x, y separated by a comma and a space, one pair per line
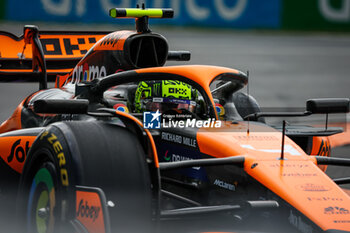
328, 105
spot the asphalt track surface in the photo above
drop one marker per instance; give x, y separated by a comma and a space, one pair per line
286, 68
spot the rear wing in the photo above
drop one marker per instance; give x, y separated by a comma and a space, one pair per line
61, 51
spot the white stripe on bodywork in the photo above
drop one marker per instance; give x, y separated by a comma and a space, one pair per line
287, 149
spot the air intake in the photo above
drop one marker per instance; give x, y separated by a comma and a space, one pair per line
146, 50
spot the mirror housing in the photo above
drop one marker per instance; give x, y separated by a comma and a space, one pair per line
328, 105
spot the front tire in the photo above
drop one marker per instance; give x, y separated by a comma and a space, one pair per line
92, 154
46, 187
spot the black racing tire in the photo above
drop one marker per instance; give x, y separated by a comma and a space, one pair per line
96, 154
47, 186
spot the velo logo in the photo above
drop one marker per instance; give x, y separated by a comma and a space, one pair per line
151, 120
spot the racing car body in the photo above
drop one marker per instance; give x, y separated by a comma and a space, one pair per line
79, 157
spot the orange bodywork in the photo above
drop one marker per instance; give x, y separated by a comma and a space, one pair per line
14, 149
114, 41
321, 147
342, 138
55, 46
203, 75
296, 179
14, 122
89, 211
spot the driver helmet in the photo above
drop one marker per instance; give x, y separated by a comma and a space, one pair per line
164, 95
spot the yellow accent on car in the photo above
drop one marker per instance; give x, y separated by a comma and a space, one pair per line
136, 13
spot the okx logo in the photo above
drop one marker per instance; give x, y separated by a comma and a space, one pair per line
151, 120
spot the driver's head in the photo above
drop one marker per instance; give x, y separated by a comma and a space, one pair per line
164, 95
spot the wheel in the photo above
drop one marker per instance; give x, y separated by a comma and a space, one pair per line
95, 154
42, 199
45, 202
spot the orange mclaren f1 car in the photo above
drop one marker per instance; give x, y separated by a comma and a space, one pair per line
124, 144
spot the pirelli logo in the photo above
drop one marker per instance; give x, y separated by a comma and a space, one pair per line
70, 46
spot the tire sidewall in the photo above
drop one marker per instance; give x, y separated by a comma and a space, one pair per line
49, 148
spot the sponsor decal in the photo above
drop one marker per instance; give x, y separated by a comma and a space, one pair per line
298, 174
324, 199
177, 158
87, 73
88, 211
287, 149
58, 149
14, 150
335, 210
224, 185
220, 109
113, 41
52, 46
151, 120
18, 152
178, 90
279, 165
255, 138
191, 142
121, 108
310, 187
341, 221
324, 149
298, 223
167, 156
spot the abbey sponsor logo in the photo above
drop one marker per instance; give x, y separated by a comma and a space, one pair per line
298, 223
224, 185
335, 210
87, 73
310, 187
87, 211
